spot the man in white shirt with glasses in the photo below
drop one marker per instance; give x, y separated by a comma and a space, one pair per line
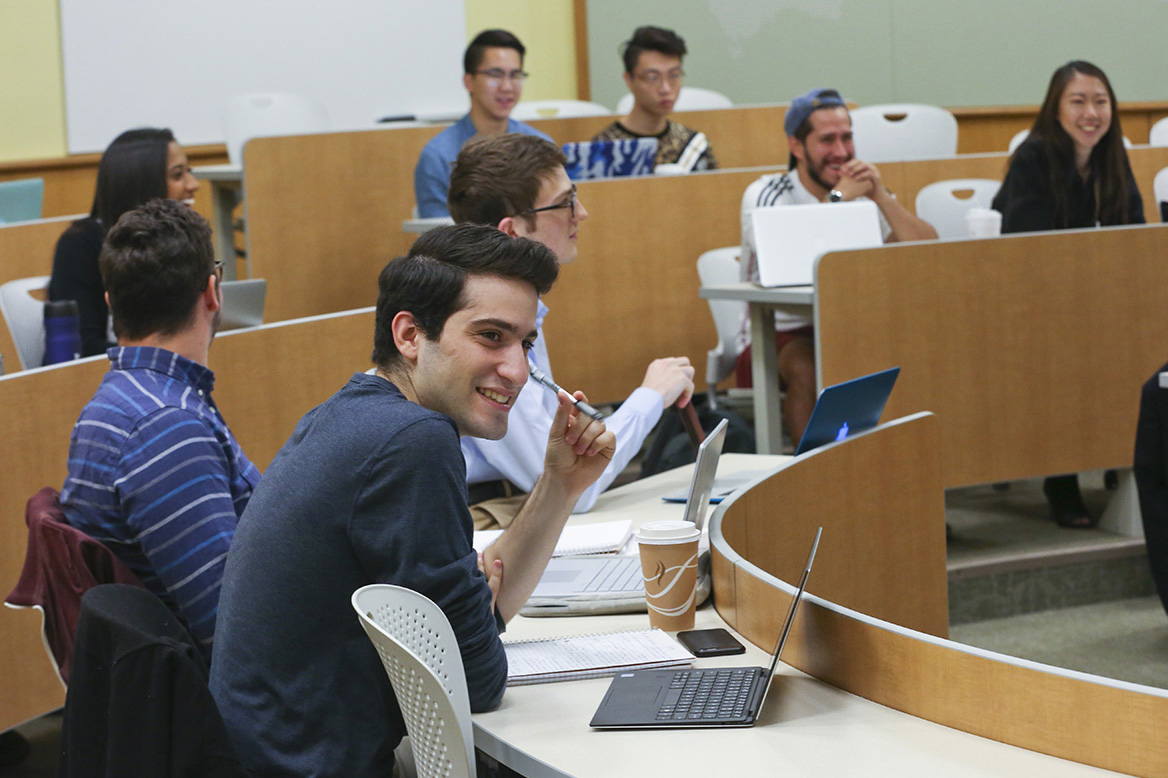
493, 77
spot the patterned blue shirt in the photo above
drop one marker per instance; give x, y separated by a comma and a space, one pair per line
156, 476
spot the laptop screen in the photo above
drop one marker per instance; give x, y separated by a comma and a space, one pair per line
790, 616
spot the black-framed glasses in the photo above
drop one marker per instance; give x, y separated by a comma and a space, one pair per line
500, 75
569, 203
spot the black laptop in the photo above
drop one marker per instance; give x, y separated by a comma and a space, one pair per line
696, 697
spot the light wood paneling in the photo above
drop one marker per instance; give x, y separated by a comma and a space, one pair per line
1031, 349
986, 694
266, 379
881, 504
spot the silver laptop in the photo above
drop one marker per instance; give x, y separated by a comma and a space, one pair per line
243, 304
700, 697
788, 238
577, 580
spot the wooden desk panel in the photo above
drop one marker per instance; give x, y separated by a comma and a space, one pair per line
1031, 349
968, 689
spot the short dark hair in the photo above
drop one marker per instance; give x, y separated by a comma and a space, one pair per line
499, 39
496, 176
430, 280
649, 38
155, 262
132, 170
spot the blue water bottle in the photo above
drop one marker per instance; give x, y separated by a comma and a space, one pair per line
62, 331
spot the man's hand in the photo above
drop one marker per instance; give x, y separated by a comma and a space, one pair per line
672, 378
860, 179
579, 447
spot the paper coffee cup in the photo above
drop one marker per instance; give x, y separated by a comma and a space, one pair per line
983, 223
669, 565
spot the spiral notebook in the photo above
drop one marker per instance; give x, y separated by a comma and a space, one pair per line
604, 537
591, 656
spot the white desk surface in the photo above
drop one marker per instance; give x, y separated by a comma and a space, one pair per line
753, 293
227, 172
807, 727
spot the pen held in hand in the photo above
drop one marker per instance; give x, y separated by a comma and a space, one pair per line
542, 378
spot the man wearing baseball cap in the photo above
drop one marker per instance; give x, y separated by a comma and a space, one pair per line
822, 168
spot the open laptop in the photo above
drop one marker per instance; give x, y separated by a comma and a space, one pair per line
243, 304
787, 239
568, 581
610, 158
697, 697
847, 408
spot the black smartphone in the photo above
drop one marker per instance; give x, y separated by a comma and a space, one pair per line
710, 642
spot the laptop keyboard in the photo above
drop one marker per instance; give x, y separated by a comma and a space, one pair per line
709, 695
619, 574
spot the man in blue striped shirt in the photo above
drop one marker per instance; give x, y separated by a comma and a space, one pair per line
154, 472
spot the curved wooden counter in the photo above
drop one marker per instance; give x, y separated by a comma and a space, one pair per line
893, 661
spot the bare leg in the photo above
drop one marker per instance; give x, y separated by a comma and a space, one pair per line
797, 372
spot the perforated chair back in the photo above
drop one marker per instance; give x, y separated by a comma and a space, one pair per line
25, 317
944, 204
716, 267
557, 109
1158, 135
268, 114
902, 131
691, 98
1160, 190
417, 647
21, 201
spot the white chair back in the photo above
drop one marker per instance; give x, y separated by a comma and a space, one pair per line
1158, 135
903, 131
267, 114
420, 653
716, 267
1160, 188
944, 204
25, 317
557, 109
692, 98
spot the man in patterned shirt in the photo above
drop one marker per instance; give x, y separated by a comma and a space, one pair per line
653, 74
154, 473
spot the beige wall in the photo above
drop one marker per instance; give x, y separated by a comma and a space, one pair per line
32, 93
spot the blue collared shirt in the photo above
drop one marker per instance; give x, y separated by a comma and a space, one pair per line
432, 173
156, 476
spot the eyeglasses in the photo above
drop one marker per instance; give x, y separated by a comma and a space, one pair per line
498, 76
219, 267
569, 202
655, 77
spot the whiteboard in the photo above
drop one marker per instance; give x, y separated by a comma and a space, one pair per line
172, 64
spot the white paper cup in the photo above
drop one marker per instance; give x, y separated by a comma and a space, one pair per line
669, 565
983, 223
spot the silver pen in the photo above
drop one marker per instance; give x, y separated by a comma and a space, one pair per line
542, 378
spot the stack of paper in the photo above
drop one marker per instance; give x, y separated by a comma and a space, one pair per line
605, 537
591, 656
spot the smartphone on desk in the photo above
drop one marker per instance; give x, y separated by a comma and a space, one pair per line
710, 642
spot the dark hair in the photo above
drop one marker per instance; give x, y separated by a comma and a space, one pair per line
499, 39
496, 176
811, 102
1109, 165
429, 281
132, 170
649, 38
155, 262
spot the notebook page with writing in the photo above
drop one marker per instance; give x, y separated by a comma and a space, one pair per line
591, 656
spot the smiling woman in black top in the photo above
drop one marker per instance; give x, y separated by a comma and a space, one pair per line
1071, 171
139, 165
